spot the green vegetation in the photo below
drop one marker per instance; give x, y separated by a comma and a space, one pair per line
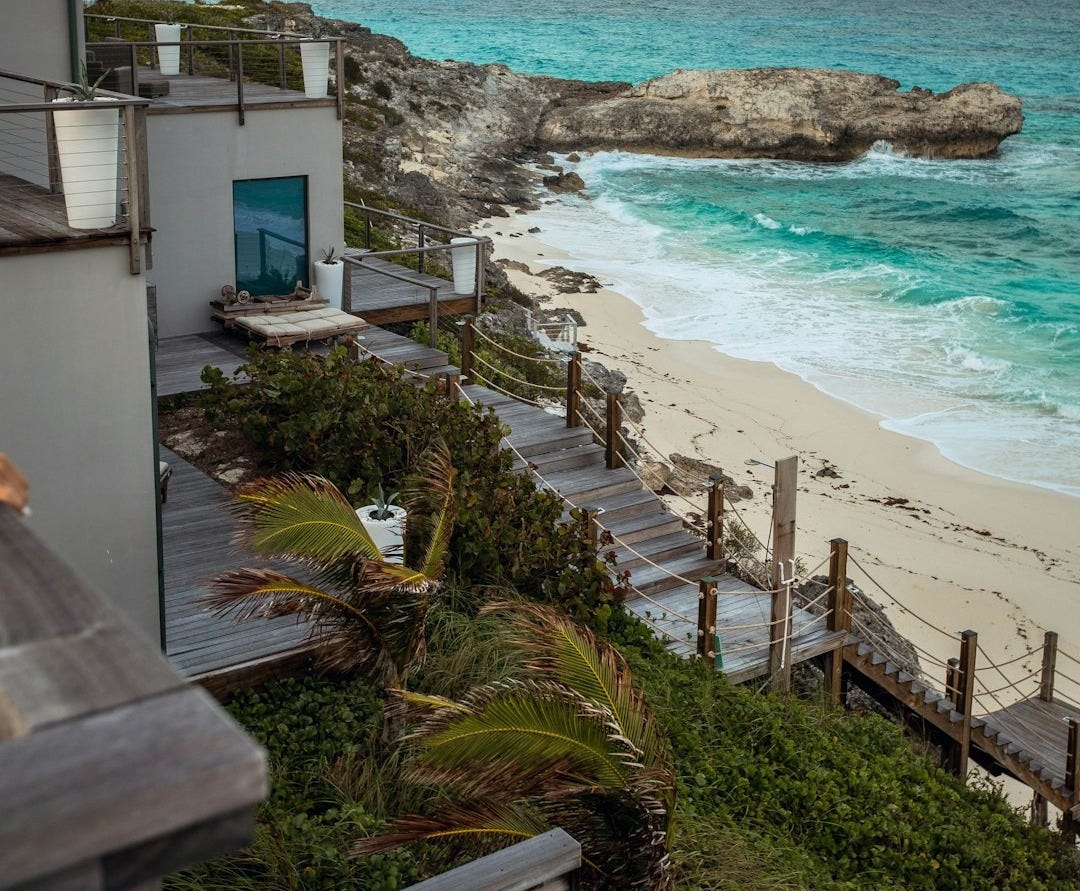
772, 792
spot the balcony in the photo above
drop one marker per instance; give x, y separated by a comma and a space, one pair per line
39, 211
216, 68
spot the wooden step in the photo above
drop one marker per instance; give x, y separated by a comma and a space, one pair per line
650, 580
588, 485
641, 526
543, 443
629, 504
588, 455
659, 549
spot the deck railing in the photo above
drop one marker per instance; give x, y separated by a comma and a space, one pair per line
123, 46
31, 165
424, 240
113, 771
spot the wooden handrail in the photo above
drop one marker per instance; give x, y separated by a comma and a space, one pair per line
113, 770
230, 29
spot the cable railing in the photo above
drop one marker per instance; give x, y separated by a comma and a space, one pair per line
70, 169
217, 65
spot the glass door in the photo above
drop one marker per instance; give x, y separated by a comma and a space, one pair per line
270, 228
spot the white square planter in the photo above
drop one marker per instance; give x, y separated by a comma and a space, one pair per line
87, 141
168, 56
315, 58
329, 281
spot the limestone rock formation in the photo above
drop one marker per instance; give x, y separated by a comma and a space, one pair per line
800, 114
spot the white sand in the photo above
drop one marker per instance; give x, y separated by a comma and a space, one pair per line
966, 550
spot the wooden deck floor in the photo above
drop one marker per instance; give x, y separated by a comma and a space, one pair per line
190, 93
180, 360
32, 216
382, 300
197, 536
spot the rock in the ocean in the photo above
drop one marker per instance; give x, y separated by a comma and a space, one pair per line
564, 182
795, 113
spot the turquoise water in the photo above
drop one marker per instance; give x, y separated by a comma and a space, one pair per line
944, 296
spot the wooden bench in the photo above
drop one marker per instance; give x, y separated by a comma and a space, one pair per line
285, 322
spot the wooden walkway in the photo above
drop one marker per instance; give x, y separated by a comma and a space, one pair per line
382, 300
180, 360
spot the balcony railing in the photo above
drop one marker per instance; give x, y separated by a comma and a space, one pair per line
240, 67
81, 188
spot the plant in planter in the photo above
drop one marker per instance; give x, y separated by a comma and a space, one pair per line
315, 59
330, 277
168, 32
385, 523
87, 142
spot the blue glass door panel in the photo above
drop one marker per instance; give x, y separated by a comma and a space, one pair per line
270, 227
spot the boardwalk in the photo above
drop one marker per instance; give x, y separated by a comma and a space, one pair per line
383, 300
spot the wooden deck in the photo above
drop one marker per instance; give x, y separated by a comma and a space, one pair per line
32, 217
193, 93
382, 300
180, 360
197, 531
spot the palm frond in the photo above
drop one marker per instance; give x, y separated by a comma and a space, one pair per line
302, 517
266, 593
431, 504
483, 821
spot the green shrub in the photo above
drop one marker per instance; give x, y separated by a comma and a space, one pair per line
365, 424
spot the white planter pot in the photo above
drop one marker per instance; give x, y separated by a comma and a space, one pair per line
168, 56
388, 535
315, 57
463, 260
329, 281
87, 140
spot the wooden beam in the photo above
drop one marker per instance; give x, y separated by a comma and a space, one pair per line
573, 390
1049, 666
1070, 821
612, 453
706, 622
780, 639
785, 481
965, 701
714, 519
839, 618
468, 346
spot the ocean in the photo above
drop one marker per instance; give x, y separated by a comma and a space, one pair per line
944, 296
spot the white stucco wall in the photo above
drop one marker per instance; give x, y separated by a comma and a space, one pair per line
34, 38
75, 416
194, 159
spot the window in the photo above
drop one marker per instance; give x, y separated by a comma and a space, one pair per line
270, 227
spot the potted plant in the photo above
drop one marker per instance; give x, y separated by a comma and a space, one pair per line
87, 142
385, 523
330, 277
315, 59
168, 32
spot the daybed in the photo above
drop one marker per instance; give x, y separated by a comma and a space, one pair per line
286, 322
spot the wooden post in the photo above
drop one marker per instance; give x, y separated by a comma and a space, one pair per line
433, 317
714, 520
1049, 666
134, 62
339, 76
1040, 816
785, 481
952, 680
420, 255
612, 452
56, 183
706, 620
481, 273
367, 228
1070, 823
839, 618
452, 386
190, 51
589, 516
353, 347
134, 199
240, 82
780, 639
282, 82
346, 287
573, 390
965, 701
468, 344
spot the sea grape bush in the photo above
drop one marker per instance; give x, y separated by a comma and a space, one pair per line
361, 425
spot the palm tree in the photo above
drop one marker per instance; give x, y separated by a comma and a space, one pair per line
575, 745
365, 613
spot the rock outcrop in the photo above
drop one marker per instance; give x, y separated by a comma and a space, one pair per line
791, 113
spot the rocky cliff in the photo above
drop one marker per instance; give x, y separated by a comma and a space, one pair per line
448, 138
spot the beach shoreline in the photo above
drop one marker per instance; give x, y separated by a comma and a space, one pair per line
959, 547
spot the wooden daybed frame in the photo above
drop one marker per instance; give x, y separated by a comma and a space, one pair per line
285, 322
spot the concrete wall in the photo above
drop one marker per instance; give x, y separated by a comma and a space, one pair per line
75, 416
194, 159
34, 39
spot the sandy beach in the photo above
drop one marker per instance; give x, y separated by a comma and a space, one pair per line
960, 548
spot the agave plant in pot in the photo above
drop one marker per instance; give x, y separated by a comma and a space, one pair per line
315, 59
330, 277
385, 523
87, 143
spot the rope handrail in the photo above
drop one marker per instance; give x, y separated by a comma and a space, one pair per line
881, 588
1071, 658
1059, 673
517, 380
1068, 700
1011, 685
494, 386
1014, 659
510, 352
406, 370
667, 610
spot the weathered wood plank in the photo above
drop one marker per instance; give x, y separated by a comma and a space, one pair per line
528, 864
